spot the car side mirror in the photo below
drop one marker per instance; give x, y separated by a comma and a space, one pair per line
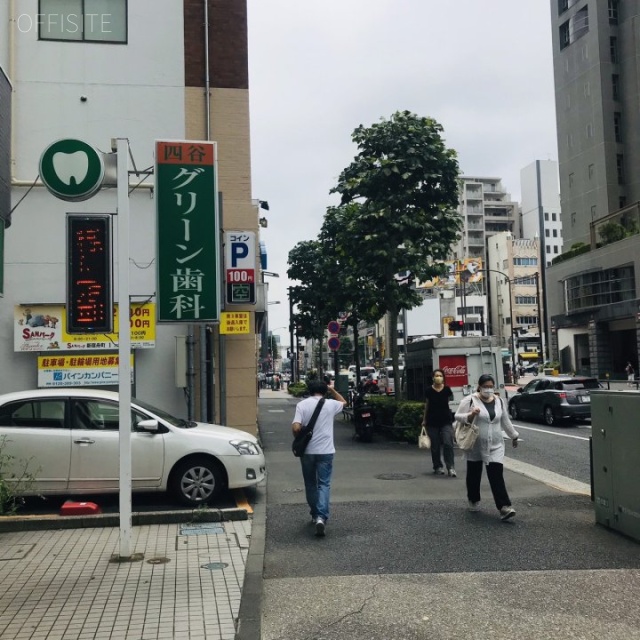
148, 425
520, 389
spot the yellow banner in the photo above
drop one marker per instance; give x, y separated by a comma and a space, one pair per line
235, 322
43, 328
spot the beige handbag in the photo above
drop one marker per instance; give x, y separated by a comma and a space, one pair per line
424, 441
467, 433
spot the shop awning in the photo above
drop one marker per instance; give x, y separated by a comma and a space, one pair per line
529, 356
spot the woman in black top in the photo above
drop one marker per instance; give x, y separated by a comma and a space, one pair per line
437, 420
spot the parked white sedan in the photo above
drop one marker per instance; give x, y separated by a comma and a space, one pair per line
70, 439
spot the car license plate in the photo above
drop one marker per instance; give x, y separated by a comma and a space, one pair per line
585, 398
366, 415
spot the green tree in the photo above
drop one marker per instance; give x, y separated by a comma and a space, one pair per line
405, 183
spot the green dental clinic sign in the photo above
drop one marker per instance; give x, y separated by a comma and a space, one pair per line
72, 170
188, 232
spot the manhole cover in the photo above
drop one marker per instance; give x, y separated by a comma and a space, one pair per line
394, 476
213, 566
15, 551
158, 560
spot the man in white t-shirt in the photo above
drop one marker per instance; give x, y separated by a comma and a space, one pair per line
317, 460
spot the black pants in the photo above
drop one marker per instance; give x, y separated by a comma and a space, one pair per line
441, 444
496, 480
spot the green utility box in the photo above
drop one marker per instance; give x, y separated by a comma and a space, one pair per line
342, 384
616, 460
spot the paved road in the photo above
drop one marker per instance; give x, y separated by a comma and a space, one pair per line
403, 559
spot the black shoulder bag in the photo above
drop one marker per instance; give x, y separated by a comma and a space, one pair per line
301, 441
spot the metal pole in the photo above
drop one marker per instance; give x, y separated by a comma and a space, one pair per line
540, 329
514, 374
124, 348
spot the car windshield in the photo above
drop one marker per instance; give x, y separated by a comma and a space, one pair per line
167, 417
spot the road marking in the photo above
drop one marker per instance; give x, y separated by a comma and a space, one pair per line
553, 433
241, 500
555, 480
275, 410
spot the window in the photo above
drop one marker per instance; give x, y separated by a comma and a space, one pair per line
591, 171
617, 126
548, 249
613, 49
546, 216
83, 20
546, 232
571, 180
565, 39
599, 288
622, 201
613, 11
526, 300
555, 233
615, 86
620, 167
525, 262
593, 211
587, 89
573, 218
555, 249
554, 217
48, 414
589, 130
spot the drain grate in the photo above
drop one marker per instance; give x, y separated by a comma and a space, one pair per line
215, 566
394, 476
202, 529
158, 560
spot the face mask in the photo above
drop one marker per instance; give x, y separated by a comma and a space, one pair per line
487, 393
438, 379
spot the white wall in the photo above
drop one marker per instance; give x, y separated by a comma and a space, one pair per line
135, 91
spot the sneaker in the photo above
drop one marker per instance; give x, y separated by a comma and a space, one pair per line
320, 525
439, 471
474, 506
507, 512
452, 473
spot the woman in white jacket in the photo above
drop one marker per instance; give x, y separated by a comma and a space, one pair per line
490, 414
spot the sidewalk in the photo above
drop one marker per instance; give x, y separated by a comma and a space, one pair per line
65, 584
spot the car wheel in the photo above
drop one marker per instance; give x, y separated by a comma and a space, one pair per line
197, 481
549, 418
513, 411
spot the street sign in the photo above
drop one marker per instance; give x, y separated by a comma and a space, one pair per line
333, 327
188, 231
72, 170
333, 343
240, 266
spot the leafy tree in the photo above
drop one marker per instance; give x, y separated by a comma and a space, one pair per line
405, 183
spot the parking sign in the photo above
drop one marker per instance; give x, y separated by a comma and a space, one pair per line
240, 266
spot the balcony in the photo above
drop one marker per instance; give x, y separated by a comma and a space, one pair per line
616, 226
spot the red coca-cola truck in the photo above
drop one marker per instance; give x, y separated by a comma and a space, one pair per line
463, 361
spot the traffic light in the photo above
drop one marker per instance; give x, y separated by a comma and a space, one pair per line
89, 279
456, 325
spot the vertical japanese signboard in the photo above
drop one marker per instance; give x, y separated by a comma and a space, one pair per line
188, 231
240, 266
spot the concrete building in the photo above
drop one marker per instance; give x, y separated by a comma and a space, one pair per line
148, 70
592, 290
486, 209
515, 294
5, 165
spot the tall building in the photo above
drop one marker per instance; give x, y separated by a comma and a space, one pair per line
143, 70
591, 288
486, 209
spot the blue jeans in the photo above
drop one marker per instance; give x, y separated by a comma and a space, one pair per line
316, 471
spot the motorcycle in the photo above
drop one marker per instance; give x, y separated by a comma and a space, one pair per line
363, 418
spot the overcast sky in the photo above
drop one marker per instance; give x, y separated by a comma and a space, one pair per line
319, 68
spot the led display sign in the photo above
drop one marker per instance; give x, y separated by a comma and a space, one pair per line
89, 278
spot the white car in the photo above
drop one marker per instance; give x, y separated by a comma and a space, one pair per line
70, 439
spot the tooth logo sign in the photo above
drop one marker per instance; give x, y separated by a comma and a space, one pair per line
72, 170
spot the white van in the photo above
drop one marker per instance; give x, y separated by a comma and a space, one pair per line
386, 381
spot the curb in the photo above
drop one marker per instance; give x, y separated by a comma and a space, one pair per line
249, 625
39, 523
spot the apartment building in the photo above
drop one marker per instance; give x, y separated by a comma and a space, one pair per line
146, 70
592, 290
486, 209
